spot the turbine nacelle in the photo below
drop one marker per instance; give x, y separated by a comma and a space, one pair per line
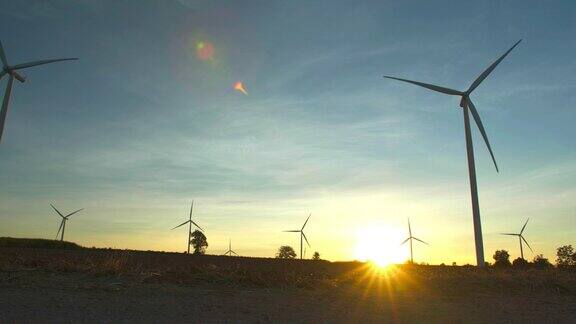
463, 101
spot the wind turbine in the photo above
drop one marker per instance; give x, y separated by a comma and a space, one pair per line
189, 222
230, 251
12, 74
63, 222
410, 238
467, 106
521, 238
302, 235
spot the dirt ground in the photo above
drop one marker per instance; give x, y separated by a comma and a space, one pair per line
39, 285
37, 296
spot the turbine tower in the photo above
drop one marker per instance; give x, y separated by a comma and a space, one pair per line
189, 222
302, 235
230, 251
468, 106
13, 74
410, 238
521, 238
63, 222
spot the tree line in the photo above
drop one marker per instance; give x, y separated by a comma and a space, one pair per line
565, 258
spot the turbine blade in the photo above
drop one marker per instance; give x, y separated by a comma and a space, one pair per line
186, 222
305, 239
523, 239
512, 234
59, 213
429, 86
482, 131
233, 252
419, 240
3, 56
60, 228
197, 225
74, 212
293, 231
523, 227
5, 103
409, 228
406, 240
306, 222
41, 62
191, 208
489, 70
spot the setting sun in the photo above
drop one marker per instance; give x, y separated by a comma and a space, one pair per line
379, 245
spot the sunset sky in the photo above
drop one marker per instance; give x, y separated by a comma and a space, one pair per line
151, 117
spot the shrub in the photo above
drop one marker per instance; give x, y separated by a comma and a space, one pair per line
541, 262
501, 259
520, 263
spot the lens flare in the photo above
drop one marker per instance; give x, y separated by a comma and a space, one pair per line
238, 86
204, 50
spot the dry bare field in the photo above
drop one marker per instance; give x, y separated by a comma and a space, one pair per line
89, 285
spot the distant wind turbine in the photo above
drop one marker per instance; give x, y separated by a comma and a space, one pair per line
230, 251
467, 105
410, 238
521, 238
12, 74
189, 222
302, 235
63, 222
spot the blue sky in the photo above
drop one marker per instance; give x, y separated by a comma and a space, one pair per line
139, 125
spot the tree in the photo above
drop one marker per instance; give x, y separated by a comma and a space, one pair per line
541, 262
199, 242
316, 256
520, 263
286, 252
565, 256
501, 258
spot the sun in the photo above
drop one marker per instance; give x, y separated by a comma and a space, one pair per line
380, 246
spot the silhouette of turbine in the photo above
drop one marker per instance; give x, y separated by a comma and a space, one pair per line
12, 74
521, 238
230, 251
189, 222
468, 106
302, 235
410, 238
63, 222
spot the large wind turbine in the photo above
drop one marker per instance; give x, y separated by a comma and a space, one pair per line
467, 105
189, 222
410, 238
521, 238
63, 222
230, 251
12, 74
302, 235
